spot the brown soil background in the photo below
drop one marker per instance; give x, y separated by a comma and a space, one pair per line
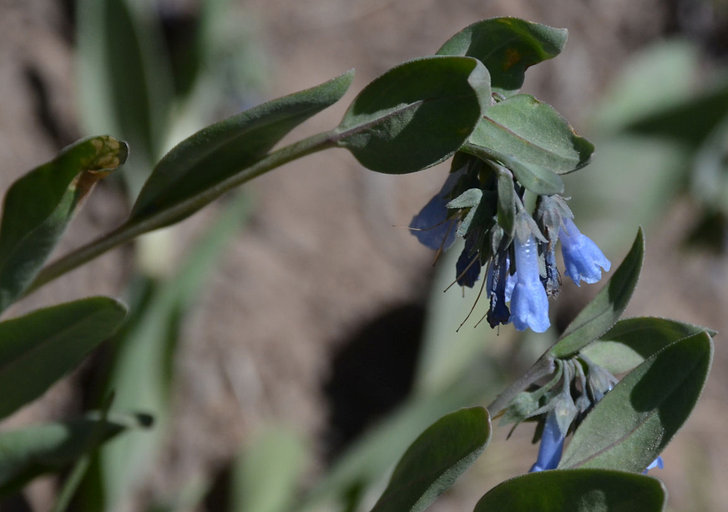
321, 256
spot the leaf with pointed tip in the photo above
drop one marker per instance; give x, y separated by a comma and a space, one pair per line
533, 140
38, 449
39, 206
435, 459
416, 114
507, 47
577, 490
605, 309
41, 347
634, 422
633, 340
218, 152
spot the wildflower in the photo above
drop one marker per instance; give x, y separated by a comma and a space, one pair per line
529, 304
431, 226
467, 267
496, 285
552, 444
657, 463
582, 257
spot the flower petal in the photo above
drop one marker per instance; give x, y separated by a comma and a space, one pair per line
552, 444
582, 257
529, 303
431, 226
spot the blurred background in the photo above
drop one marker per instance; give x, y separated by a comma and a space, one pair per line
294, 338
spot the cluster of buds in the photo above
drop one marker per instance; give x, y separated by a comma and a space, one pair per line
511, 232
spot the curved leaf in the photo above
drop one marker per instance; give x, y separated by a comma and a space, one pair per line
217, 152
634, 422
633, 340
608, 305
38, 449
532, 133
435, 459
39, 348
416, 114
507, 47
580, 490
39, 205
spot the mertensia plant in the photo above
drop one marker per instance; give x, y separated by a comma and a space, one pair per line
617, 389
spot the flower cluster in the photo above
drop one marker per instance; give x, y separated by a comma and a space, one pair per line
481, 203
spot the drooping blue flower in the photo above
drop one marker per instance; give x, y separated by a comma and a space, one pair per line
496, 281
431, 225
657, 463
467, 268
529, 303
552, 444
582, 257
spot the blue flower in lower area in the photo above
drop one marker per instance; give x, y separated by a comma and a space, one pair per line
657, 463
552, 444
529, 303
582, 257
496, 284
431, 226
467, 268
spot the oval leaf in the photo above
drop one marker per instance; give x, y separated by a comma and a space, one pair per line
217, 152
39, 205
39, 348
634, 422
435, 459
415, 115
534, 133
581, 490
38, 449
507, 47
633, 340
608, 305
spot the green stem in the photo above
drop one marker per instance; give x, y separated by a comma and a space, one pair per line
132, 229
543, 367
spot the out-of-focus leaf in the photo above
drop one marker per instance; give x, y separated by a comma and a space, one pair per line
577, 490
39, 206
634, 422
41, 347
267, 473
125, 84
416, 114
507, 47
608, 305
633, 340
142, 374
688, 122
532, 133
435, 459
658, 77
34, 450
197, 165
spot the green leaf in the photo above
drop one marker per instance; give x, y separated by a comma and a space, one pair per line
506, 202
579, 490
267, 473
532, 134
608, 305
633, 340
688, 122
634, 422
125, 83
37, 449
39, 206
435, 459
416, 114
39, 348
507, 47
202, 161
142, 372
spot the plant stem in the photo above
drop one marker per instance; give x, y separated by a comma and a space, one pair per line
132, 229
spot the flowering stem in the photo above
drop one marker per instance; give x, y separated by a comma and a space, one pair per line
132, 229
543, 367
